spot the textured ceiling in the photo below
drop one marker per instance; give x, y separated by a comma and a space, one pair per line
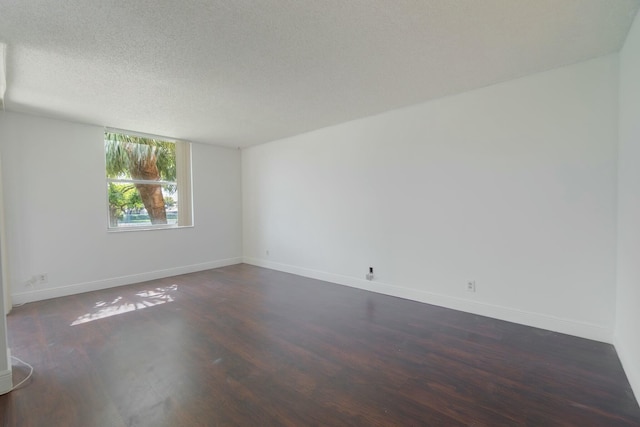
242, 72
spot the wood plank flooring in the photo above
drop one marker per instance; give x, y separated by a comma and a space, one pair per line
247, 346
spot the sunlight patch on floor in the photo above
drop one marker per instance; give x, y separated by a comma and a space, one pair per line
125, 304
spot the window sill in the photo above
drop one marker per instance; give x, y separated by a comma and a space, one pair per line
147, 228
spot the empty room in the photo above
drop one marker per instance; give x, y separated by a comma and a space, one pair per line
329, 213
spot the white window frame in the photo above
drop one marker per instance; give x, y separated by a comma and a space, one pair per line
183, 184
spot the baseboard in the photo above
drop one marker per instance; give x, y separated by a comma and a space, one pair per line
543, 321
61, 291
631, 366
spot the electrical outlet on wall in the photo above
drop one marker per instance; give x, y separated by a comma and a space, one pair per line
369, 275
38, 279
471, 286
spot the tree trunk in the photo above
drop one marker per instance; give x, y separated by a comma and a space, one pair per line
151, 194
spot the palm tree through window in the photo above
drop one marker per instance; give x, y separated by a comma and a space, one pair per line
148, 181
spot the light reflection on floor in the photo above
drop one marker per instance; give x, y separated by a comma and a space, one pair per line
140, 300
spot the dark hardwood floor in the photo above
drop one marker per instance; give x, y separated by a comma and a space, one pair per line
246, 346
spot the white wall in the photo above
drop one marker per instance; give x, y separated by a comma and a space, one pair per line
512, 185
56, 218
627, 331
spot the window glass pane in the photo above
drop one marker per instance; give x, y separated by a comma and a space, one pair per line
127, 209
135, 157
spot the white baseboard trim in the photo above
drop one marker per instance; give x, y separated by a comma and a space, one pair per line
62, 291
630, 364
543, 321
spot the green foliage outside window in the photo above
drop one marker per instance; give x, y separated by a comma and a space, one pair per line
141, 174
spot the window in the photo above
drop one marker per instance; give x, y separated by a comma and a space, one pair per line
148, 181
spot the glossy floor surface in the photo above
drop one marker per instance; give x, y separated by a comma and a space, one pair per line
247, 346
